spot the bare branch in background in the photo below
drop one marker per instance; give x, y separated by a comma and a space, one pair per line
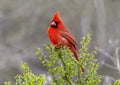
117, 59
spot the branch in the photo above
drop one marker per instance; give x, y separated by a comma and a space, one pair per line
117, 59
54, 78
63, 63
105, 53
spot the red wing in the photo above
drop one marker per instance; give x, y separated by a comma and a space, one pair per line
67, 35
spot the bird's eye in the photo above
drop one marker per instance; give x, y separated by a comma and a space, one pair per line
54, 24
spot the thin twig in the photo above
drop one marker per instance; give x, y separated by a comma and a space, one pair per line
54, 78
66, 78
110, 66
92, 70
105, 53
79, 79
117, 59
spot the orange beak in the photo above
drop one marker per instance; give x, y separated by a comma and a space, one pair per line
53, 23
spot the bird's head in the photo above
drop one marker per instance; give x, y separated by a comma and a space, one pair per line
56, 21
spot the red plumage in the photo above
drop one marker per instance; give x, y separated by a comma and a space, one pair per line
61, 36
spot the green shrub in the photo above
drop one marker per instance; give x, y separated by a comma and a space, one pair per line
63, 67
117, 82
27, 78
65, 70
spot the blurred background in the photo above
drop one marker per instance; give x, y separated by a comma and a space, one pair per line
24, 23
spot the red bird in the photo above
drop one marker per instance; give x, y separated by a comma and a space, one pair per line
61, 36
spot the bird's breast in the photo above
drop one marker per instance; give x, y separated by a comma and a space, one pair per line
53, 35
56, 38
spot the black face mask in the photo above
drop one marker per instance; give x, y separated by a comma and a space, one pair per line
54, 24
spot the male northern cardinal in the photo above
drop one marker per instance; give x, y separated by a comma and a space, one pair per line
61, 36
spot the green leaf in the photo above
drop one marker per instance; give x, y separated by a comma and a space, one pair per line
117, 82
